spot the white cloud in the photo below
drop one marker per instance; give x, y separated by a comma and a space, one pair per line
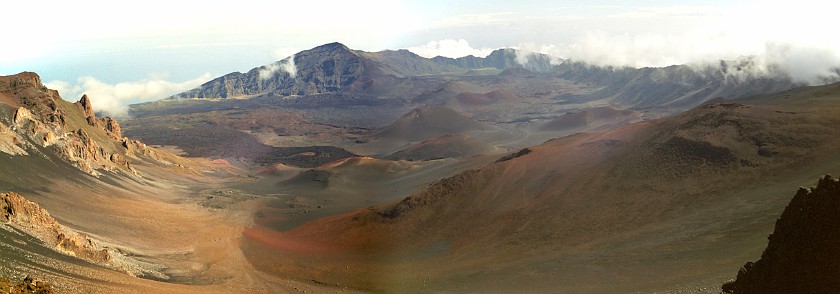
283, 52
449, 48
524, 50
113, 99
286, 65
66, 90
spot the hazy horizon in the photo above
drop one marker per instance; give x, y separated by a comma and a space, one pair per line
141, 52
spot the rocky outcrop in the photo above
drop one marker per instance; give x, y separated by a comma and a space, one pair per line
113, 127
77, 147
30, 93
109, 124
10, 141
30, 218
801, 255
27, 285
139, 149
87, 108
41, 119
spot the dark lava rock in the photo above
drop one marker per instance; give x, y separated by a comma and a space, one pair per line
802, 254
516, 154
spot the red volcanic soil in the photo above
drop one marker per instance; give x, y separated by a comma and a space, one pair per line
220, 161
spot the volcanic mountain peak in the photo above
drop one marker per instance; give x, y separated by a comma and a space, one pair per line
327, 68
334, 67
334, 47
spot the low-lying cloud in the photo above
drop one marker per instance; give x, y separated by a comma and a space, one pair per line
776, 36
286, 65
449, 48
113, 99
805, 63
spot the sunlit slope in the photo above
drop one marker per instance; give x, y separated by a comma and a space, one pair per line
596, 212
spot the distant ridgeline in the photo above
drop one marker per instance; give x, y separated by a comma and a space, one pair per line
334, 68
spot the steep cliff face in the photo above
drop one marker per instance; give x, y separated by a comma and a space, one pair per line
38, 122
801, 255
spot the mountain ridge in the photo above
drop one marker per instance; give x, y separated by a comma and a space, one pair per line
402, 75
333, 67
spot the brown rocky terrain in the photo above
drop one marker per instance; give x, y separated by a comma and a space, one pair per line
427, 123
588, 213
122, 216
801, 255
344, 95
446, 146
27, 285
41, 119
273, 201
30, 218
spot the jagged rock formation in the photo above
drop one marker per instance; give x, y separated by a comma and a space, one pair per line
87, 109
10, 141
113, 127
801, 255
77, 146
29, 217
43, 122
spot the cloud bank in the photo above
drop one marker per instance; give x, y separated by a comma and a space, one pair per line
806, 63
449, 48
795, 38
113, 99
286, 65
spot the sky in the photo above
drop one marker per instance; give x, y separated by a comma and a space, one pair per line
120, 53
